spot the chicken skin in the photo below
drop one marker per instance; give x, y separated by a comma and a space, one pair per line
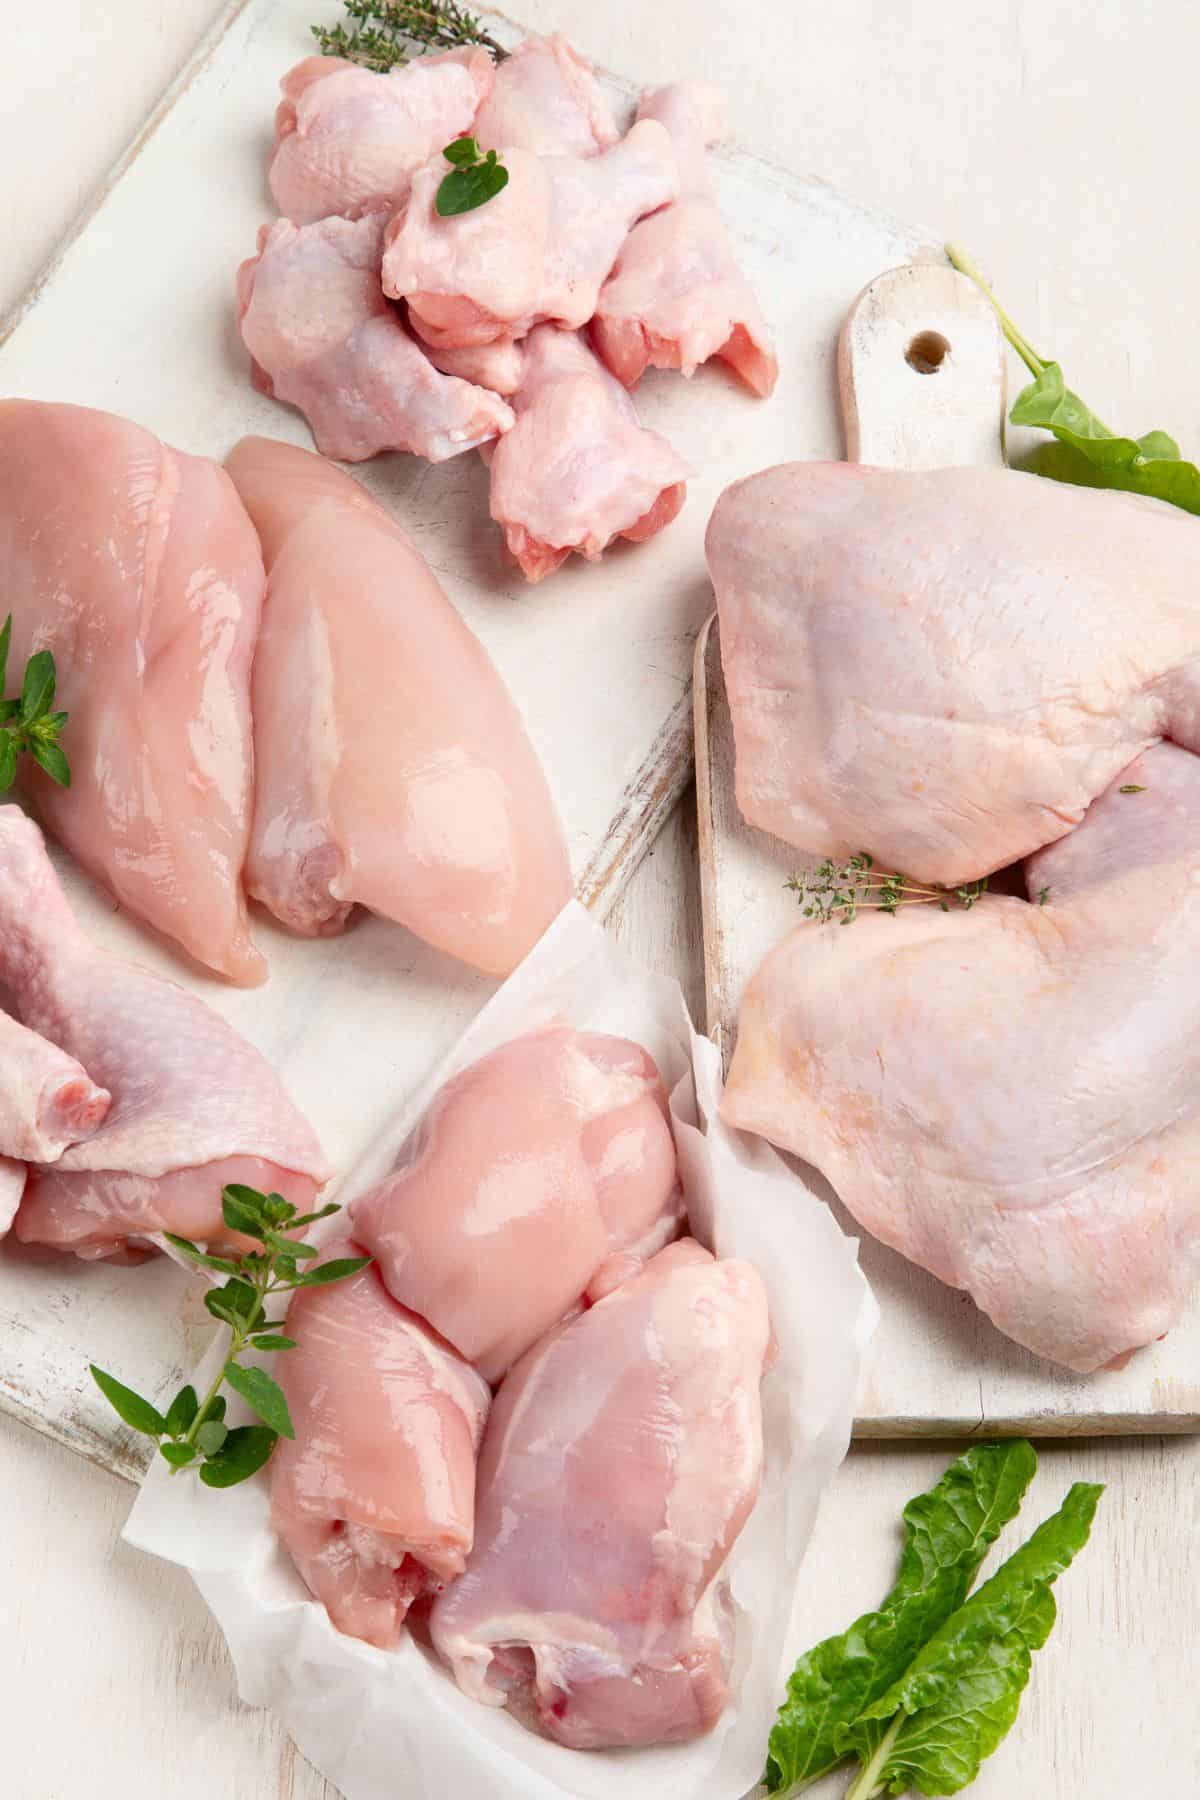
545, 98
47, 1099
621, 1460
676, 296
325, 340
1010, 1096
577, 470
945, 669
138, 568
531, 1171
193, 1105
393, 767
374, 1498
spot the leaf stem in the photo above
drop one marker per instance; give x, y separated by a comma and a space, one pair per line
868, 1781
239, 1337
966, 265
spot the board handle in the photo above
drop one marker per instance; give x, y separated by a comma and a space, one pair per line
921, 372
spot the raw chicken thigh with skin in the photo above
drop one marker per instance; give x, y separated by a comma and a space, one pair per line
193, 1105
393, 767
621, 1460
375, 1497
47, 1099
676, 296
137, 567
546, 99
577, 470
945, 669
539, 250
325, 340
1010, 1096
529, 1172
347, 138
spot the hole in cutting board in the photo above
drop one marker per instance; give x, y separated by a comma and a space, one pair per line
927, 352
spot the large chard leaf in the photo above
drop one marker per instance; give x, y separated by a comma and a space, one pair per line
947, 1533
1088, 454
960, 1694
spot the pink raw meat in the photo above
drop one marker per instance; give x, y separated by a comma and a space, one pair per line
47, 1100
545, 99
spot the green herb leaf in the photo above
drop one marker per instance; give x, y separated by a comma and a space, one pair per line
244, 1210
233, 1303
214, 1412
398, 26
462, 150
212, 1435
224, 1265
5, 641
960, 1695
326, 1212
242, 1454
947, 1533
292, 1247
1131, 787
37, 689
182, 1411
472, 182
9, 756
131, 1407
271, 1340
52, 759
265, 1395
178, 1455
337, 1270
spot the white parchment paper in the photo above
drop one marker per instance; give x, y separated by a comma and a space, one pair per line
392, 1725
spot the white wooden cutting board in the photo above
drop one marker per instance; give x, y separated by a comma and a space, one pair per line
136, 315
921, 374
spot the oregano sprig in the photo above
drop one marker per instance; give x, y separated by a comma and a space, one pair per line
384, 33
474, 178
842, 890
28, 725
192, 1432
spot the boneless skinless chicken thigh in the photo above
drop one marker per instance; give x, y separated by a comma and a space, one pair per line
676, 295
324, 339
1011, 1095
540, 1172
193, 1105
946, 668
138, 568
374, 1498
393, 769
347, 138
621, 1460
539, 249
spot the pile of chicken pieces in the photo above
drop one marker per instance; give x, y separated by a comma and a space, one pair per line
959, 671
517, 327
527, 1240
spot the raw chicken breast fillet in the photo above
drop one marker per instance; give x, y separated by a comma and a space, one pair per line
621, 1460
393, 767
1010, 1096
347, 138
138, 568
545, 98
530, 1172
193, 1105
676, 296
375, 1497
577, 470
324, 339
539, 249
945, 669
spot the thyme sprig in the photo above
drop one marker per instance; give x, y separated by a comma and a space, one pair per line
384, 33
843, 890
192, 1432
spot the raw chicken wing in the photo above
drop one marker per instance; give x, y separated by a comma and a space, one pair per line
545, 99
393, 768
621, 1460
539, 249
375, 1497
324, 339
347, 138
530, 1171
193, 1105
945, 669
577, 470
676, 296
138, 568
1010, 1096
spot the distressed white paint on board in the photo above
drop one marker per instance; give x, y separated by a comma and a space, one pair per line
136, 315
936, 1364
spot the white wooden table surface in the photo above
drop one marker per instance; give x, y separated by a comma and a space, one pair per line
1060, 139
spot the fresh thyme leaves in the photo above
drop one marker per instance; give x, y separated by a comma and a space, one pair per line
193, 1431
384, 33
842, 890
27, 724
927, 1687
473, 180
1087, 453
1130, 787
1043, 896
